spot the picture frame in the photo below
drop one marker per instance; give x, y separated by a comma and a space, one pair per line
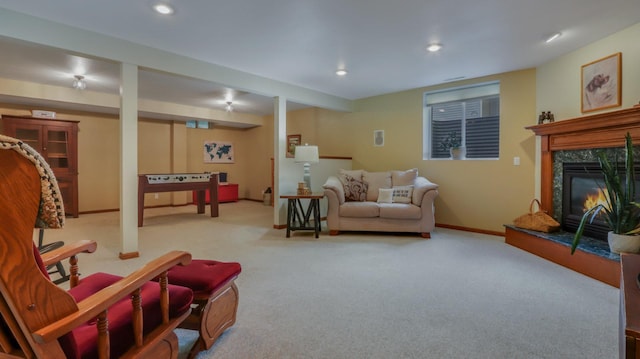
601, 83
218, 152
378, 138
292, 142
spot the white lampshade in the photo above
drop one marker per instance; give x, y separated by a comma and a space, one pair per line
307, 154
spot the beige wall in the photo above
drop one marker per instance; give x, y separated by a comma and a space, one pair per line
252, 148
558, 87
473, 193
163, 147
479, 194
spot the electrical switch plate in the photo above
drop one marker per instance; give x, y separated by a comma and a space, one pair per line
516, 161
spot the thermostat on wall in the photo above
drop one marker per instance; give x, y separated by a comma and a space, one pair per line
43, 114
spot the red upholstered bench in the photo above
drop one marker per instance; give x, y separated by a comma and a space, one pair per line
215, 298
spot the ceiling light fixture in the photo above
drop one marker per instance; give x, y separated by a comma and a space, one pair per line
163, 9
341, 72
434, 47
229, 107
79, 83
553, 37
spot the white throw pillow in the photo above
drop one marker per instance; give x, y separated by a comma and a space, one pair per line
376, 180
402, 194
385, 195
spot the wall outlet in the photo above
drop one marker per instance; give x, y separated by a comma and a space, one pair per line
516, 161
156, 196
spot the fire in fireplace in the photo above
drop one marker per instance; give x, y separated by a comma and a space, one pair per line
583, 187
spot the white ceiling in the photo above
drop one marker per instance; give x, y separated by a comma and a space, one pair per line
302, 42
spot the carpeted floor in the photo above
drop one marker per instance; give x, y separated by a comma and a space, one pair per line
367, 295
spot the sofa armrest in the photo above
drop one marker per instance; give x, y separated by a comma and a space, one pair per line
334, 184
421, 186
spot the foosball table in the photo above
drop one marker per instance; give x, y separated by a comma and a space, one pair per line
199, 182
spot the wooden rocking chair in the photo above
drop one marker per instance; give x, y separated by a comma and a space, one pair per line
102, 315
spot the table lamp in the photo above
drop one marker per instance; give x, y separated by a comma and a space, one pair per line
307, 155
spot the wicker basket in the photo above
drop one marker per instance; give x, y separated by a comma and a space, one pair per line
537, 221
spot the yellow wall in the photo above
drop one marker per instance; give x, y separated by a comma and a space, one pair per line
252, 148
480, 194
558, 88
163, 147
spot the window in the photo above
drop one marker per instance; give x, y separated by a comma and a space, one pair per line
198, 124
468, 117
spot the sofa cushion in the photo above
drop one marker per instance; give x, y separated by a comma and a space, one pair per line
385, 195
360, 209
399, 211
354, 189
357, 174
402, 194
404, 178
376, 180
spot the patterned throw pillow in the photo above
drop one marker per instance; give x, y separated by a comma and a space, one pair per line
354, 190
402, 194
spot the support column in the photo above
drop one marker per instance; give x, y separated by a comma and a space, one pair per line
279, 154
179, 160
129, 161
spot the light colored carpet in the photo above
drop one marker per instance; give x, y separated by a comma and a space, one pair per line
363, 295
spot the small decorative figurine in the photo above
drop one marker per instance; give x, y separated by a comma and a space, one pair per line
545, 117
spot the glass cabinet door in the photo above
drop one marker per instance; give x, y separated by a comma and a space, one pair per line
30, 136
57, 149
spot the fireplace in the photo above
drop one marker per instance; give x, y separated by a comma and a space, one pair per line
591, 132
582, 188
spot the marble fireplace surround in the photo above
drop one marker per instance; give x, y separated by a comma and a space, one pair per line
571, 139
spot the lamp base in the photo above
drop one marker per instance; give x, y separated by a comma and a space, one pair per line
307, 175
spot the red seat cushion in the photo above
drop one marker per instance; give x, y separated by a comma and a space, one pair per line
204, 276
39, 262
82, 342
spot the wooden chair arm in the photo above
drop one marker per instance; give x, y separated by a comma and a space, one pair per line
99, 302
67, 251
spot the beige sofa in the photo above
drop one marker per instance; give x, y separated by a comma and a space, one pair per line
392, 201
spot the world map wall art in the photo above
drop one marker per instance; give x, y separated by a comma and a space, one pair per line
218, 152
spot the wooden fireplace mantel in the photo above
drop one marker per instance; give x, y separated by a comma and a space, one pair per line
587, 132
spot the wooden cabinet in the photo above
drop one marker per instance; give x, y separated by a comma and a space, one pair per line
57, 142
629, 320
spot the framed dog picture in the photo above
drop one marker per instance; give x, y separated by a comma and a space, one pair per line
292, 142
602, 83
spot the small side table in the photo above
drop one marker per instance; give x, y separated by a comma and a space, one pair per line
300, 219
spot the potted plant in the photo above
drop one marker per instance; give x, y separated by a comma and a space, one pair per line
619, 211
453, 144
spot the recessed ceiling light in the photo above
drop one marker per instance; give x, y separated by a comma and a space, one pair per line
163, 9
341, 72
434, 47
553, 37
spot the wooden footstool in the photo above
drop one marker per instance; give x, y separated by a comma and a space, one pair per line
215, 298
